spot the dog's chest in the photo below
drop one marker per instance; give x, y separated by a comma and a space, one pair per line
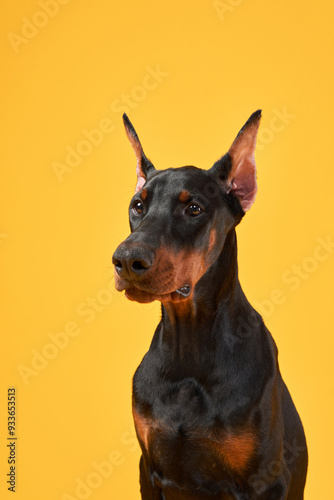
184, 439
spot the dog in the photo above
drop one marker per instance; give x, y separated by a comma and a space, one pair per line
212, 414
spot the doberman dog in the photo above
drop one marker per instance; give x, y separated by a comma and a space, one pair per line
212, 414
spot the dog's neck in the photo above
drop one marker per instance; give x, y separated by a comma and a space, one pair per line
189, 326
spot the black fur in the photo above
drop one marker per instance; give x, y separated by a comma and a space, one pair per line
210, 382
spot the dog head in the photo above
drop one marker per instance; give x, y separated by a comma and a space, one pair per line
180, 218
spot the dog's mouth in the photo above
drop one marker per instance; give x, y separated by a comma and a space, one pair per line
163, 286
184, 291
144, 297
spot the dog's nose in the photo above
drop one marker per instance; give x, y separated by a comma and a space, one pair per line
132, 262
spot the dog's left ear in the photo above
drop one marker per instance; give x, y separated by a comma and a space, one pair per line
237, 169
144, 166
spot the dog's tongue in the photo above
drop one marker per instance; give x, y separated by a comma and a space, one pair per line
184, 291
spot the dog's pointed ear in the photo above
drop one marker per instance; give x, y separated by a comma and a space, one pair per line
144, 166
237, 169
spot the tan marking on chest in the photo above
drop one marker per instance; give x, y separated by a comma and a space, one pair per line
236, 450
143, 427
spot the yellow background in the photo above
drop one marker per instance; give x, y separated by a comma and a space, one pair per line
214, 66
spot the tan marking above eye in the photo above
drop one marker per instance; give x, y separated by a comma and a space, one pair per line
143, 194
184, 196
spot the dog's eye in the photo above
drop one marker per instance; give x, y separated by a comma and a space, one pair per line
193, 209
138, 208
